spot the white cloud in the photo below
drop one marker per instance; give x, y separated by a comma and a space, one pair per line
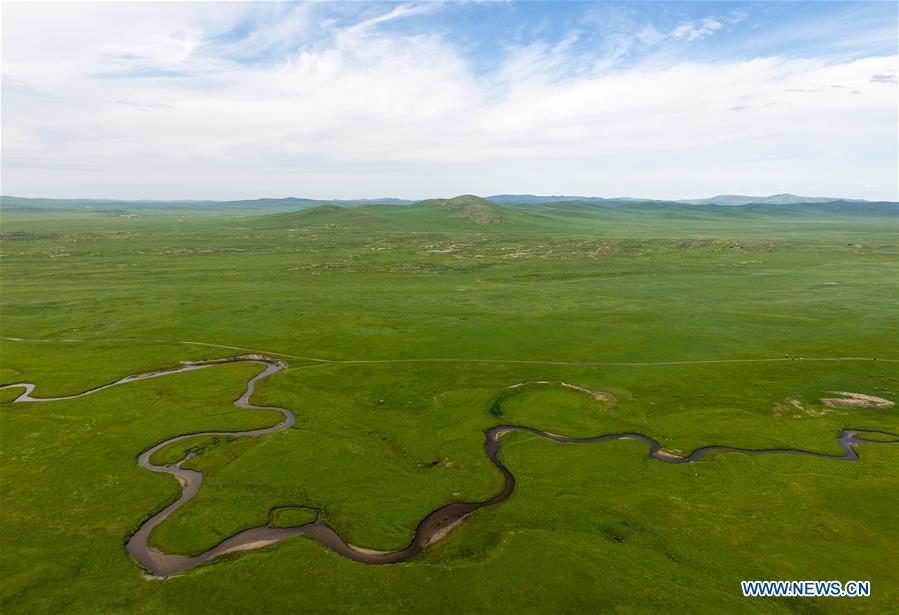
736, 17
366, 111
692, 31
649, 35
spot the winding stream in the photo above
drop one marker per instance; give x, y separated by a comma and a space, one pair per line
432, 528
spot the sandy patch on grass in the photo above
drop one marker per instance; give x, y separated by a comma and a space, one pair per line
798, 410
847, 401
856, 400
608, 398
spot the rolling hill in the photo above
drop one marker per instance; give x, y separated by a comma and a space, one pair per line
473, 209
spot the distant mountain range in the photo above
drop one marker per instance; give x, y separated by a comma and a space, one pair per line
12, 203
721, 199
774, 199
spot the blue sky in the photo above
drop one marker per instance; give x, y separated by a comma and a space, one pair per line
653, 99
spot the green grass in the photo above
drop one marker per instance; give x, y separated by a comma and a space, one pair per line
613, 299
176, 451
292, 516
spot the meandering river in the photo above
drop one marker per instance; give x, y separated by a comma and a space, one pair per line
432, 528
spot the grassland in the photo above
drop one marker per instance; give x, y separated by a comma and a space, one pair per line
402, 327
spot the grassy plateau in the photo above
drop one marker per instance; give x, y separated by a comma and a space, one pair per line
404, 327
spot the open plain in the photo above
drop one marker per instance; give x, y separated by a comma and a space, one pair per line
396, 337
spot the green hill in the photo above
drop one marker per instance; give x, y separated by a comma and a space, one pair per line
331, 215
473, 209
461, 213
472, 214
319, 211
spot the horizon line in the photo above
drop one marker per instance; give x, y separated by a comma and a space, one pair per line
413, 200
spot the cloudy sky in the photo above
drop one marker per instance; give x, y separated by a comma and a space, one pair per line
341, 100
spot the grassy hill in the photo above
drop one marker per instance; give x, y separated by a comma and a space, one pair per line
473, 209
461, 213
328, 215
473, 214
